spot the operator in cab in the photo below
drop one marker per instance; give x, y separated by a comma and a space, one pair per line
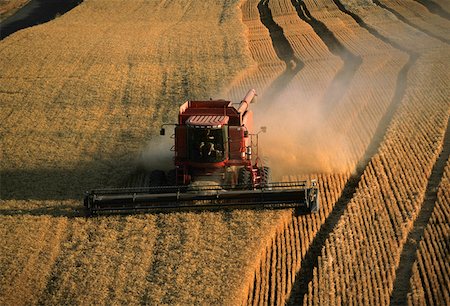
209, 147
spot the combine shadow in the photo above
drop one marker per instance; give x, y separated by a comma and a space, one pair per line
52, 211
53, 184
60, 184
34, 13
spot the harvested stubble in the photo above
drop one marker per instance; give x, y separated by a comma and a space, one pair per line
362, 107
339, 266
282, 258
416, 15
266, 66
431, 271
374, 227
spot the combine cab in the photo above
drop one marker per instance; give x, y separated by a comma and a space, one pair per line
216, 167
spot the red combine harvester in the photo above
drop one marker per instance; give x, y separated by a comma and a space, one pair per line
216, 167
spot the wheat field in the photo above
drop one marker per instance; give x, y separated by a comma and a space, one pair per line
355, 92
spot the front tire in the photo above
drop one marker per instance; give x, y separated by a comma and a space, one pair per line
172, 177
266, 176
244, 179
157, 178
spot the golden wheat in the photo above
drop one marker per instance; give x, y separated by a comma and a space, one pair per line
82, 95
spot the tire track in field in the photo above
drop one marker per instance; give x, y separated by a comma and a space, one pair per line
434, 8
403, 19
284, 51
352, 62
408, 255
311, 258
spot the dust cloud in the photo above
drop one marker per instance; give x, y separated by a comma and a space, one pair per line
157, 154
299, 138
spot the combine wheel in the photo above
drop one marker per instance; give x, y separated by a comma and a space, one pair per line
172, 177
265, 174
157, 178
244, 179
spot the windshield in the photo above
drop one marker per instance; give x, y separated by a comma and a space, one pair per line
207, 145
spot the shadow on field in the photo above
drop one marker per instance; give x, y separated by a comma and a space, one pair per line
68, 211
35, 12
38, 191
53, 184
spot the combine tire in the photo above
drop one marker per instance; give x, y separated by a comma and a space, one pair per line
172, 177
265, 174
244, 179
157, 178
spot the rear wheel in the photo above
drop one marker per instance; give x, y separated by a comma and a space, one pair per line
244, 179
157, 178
172, 177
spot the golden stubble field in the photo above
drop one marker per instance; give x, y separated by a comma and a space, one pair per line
354, 92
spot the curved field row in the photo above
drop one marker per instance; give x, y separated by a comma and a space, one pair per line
403, 272
382, 201
416, 15
443, 4
266, 63
371, 87
388, 196
353, 90
320, 65
283, 257
431, 270
434, 8
274, 263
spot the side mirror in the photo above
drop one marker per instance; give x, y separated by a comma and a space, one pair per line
162, 132
245, 133
264, 129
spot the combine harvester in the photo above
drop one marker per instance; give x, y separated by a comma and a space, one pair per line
216, 167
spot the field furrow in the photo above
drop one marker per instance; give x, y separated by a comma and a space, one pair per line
442, 4
401, 85
351, 185
267, 65
319, 66
435, 8
391, 190
431, 270
416, 16
408, 256
294, 238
